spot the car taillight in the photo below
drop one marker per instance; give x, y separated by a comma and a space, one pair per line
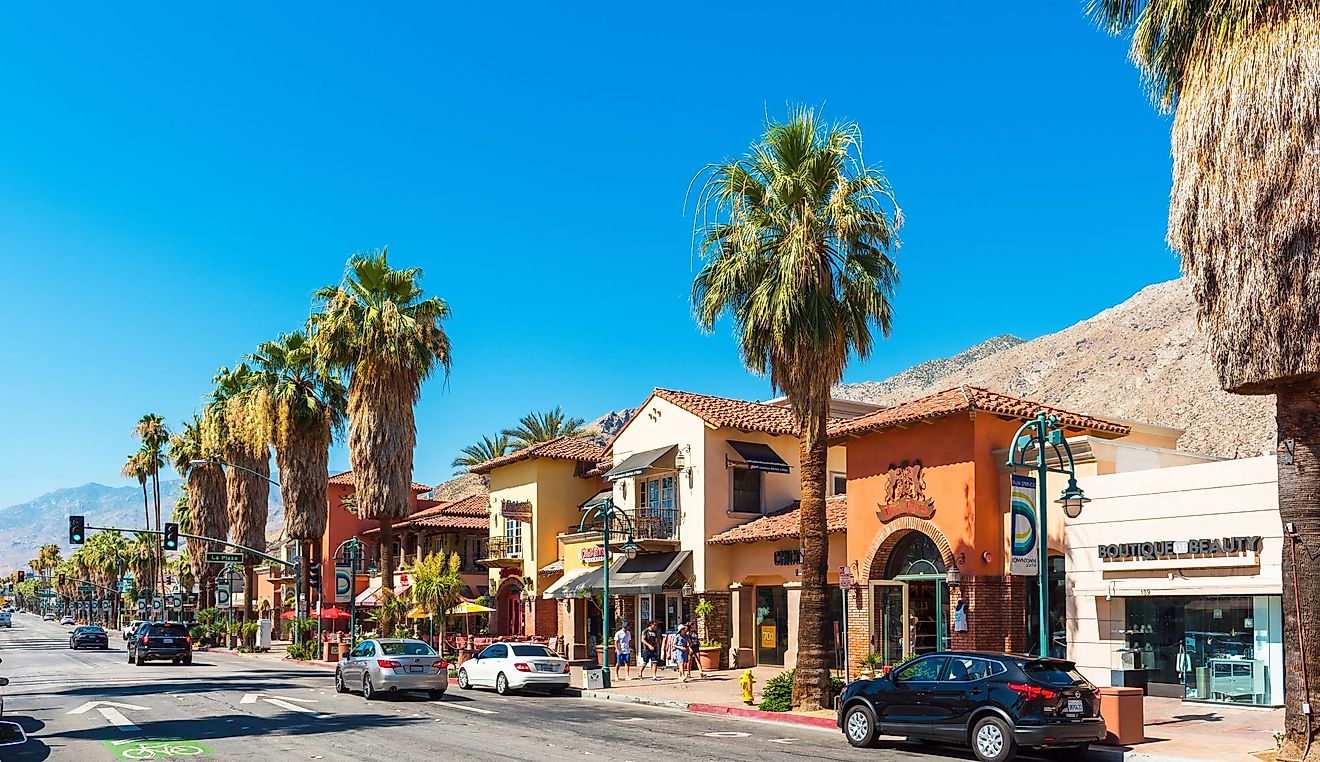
388, 664
441, 664
1030, 692
188, 640
521, 666
143, 641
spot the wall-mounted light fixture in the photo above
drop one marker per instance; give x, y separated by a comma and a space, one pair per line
681, 464
953, 576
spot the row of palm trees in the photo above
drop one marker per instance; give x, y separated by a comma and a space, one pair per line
532, 429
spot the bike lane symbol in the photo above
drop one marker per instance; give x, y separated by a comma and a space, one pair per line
154, 749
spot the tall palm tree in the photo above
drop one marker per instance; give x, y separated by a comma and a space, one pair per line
1241, 80
535, 428
135, 467
141, 557
797, 238
302, 403
487, 449
377, 327
233, 413
154, 436
206, 493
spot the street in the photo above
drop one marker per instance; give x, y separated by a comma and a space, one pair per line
230, 707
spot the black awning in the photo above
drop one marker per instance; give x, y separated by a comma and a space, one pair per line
759, 457
597, 500
635, 465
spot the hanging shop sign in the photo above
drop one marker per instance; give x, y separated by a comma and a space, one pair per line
516, 510
769, 636
905, 493
1022, 499
1157, 549
592, 554
789, 557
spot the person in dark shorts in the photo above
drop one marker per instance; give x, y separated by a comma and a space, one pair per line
694, 648
650, 651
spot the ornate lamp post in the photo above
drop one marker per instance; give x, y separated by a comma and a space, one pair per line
605, 514
1037, 434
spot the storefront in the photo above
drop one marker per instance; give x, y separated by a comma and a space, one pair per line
1175, 576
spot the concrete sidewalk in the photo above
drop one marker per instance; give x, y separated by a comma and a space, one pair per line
1176, 731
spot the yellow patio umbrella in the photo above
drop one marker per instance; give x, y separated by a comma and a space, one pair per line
417, 613
466, 609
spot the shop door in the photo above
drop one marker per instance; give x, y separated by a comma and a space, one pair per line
671, 620
928, 621
889, 609
771, 625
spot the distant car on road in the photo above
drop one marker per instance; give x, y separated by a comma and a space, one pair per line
132, 628
392, 664
67, 620
48, 617
91, 636
6, 619
512, 666
993, 702
159, 641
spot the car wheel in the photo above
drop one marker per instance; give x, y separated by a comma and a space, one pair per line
992, 740
436, 695
187, 660
368, 692
130, 657
463, 680
339, 682
139, 660
859, 726
502, 685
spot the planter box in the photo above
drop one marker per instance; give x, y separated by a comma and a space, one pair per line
600, 657
709, 658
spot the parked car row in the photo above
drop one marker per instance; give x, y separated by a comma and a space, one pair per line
384, 665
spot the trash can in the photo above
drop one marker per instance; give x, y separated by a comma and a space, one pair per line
1125, 715
593, 679
329, 651
264, 630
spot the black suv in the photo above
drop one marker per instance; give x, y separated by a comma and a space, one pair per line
992, 702
160, 641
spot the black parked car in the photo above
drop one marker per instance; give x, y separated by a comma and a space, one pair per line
993, 702
159, 641
90, 636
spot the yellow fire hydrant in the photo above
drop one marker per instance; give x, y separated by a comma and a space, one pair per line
747, 681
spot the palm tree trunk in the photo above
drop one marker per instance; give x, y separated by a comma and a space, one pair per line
387, 555
1298, 416
305, 584
812, 682
249, 586
160, 539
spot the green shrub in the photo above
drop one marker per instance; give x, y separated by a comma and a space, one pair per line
777, 696
304, 651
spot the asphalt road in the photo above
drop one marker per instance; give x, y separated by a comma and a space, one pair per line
297, 715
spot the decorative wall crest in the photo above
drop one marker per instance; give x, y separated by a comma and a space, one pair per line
905, 493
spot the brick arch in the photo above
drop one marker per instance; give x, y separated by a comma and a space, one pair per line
885, 540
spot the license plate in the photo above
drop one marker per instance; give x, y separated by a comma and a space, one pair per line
547, 667
417, 668
167, 641
1074, 706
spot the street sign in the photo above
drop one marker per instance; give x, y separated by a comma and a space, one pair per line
222, 598
142, 604
845, 578
224, 558
85, 588
343, 583
105, 605
176, 602
157, 604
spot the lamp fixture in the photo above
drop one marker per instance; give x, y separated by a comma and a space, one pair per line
687, 590
953, 576
1072, 499
630, 549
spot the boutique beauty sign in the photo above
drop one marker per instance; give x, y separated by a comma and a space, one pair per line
1022, 499
1157, 549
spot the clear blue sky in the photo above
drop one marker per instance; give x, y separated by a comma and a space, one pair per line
174, 184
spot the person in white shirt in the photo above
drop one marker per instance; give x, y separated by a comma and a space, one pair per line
623, 651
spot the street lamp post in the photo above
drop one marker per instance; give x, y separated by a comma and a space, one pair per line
1038, 433
606, 513
350, 551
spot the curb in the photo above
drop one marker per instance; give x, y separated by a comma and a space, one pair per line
756, 714
625, 698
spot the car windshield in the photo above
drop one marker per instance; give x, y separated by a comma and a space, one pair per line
175, 630
1053, 672
89, 630
533, 651
406, 648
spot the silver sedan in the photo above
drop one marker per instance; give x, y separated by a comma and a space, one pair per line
392, 664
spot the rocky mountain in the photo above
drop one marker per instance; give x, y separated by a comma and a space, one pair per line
609, 424
27, 526
1142, 360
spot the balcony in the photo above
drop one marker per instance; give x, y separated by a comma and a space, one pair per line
501, 552
658, 525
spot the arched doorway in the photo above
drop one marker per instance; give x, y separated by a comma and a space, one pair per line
910, 597
509, 608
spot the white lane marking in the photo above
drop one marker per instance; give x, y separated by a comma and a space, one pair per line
453, 705
117, 719
783, 740
281, 702
90, 705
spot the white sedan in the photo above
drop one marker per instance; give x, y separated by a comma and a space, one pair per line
510, 666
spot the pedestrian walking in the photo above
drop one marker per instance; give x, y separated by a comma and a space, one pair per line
623, 650
694, 650
651, 650
681, 651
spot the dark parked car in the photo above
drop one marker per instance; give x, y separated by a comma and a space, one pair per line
157, 641
89, 636
994, 703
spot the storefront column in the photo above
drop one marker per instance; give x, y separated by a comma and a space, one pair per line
714, 628
739, 635
794, 601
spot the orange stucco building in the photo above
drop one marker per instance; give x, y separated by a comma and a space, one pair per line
928, 539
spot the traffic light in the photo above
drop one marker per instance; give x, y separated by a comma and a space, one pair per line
314, 574
61, 579
171, 536
21, 575
76, 532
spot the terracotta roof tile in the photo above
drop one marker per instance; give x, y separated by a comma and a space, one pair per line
468, 512
783, 524
346, 480
966, 399
578, 449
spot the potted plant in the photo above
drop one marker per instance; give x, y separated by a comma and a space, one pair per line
871, 663
708, 655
